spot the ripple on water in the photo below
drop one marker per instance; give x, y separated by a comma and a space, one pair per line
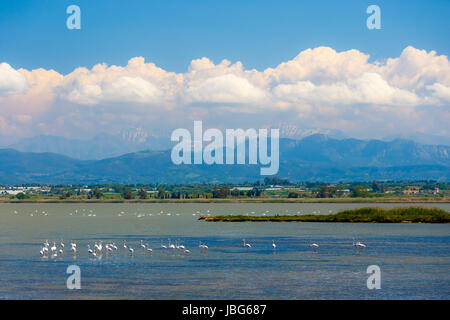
414, 259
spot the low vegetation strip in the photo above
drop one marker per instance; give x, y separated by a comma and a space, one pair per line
369, 214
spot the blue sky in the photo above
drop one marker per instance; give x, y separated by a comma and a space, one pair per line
160, 65
259, 33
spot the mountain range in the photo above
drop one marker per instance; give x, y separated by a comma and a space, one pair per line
314, 158
107, 145
101, 146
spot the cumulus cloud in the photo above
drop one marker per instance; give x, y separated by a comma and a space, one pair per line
122, 89
137, 82
321, 64
440, 92
369, 88
227, 88
86, 94
11, 81
320, 87
415, 69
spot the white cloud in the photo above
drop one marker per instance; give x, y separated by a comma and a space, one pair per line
132, 89
137, 82
227, 88
415, 69
122, 89
11, 81
320, 65
319, 87
369, 88
86, 94
440, 92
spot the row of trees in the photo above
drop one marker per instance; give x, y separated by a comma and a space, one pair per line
276, 181
217, 193
326, 191
192, 191
225, 192
355, 191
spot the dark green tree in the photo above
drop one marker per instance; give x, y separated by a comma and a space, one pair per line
325, 191
96, 193
378, 187
127, 194
223, 192
161, 193
276, 181
21, 196
359, 191
292, 194
142, 194
235, 193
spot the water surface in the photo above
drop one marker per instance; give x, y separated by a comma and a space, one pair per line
414, 258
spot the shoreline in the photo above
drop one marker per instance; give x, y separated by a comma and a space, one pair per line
259, 200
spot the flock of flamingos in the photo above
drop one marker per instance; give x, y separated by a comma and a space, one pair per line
99, 249
53, 250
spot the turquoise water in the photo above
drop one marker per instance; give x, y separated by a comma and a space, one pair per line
414, 258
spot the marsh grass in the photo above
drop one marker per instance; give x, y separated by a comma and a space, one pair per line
368, 214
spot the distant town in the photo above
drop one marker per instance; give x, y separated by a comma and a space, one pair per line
270, 188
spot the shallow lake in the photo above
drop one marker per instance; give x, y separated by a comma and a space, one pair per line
414, 258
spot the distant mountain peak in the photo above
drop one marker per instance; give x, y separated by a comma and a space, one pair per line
136, 135
293, 131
